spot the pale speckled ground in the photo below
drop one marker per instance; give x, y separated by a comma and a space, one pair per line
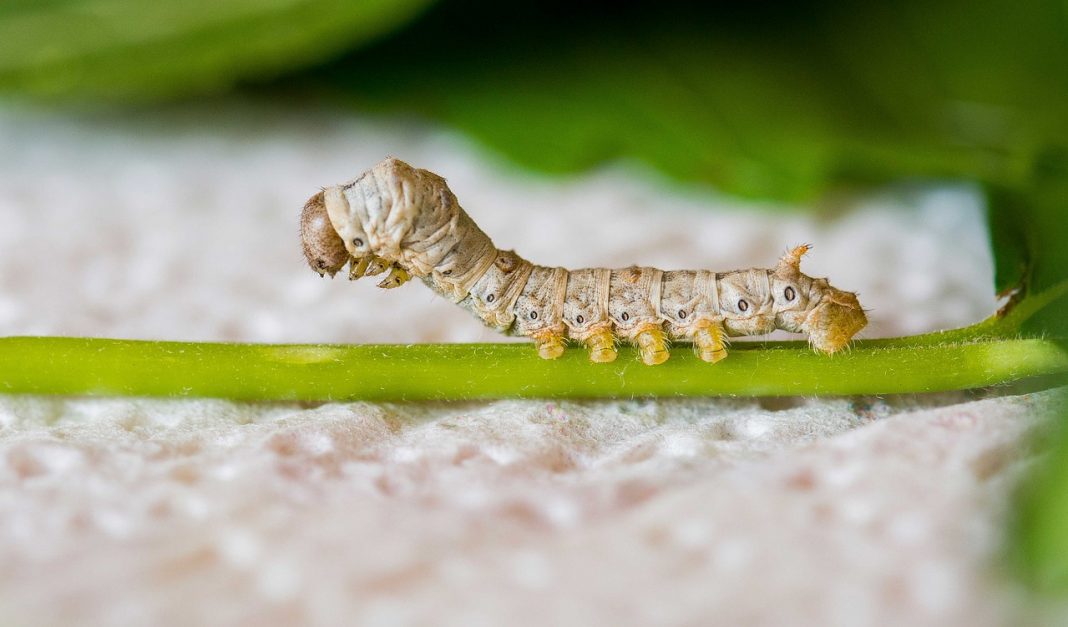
182, 225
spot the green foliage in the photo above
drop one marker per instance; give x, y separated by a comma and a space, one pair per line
1040, 520
761, 99
123, 50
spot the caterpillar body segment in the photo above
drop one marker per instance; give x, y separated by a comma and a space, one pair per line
406, 223
689, 306
539, 310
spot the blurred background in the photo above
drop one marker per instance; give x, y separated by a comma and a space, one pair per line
216, 119
153, 161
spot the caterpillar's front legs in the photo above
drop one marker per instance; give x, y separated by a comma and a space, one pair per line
377, 265
397, 277
709, 341
358, 268
372, 265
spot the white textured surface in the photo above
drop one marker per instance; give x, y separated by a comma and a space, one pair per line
666, 512
183, 226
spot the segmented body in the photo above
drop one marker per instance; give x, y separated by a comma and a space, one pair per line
405, 220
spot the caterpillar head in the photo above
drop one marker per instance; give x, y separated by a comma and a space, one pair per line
323, 248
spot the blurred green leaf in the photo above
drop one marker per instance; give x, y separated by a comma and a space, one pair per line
123, 50
1029, 229
766, 99
1040, 521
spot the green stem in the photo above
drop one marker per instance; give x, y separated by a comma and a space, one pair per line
57, 365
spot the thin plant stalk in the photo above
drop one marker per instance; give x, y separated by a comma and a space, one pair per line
76, 366
985, 354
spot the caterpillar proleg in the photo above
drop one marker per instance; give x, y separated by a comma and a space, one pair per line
398, 219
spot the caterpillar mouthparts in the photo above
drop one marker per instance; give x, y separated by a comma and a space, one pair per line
405, 222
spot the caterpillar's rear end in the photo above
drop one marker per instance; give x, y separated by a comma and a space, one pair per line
405, 221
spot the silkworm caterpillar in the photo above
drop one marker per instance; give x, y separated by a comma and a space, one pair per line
405, 222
